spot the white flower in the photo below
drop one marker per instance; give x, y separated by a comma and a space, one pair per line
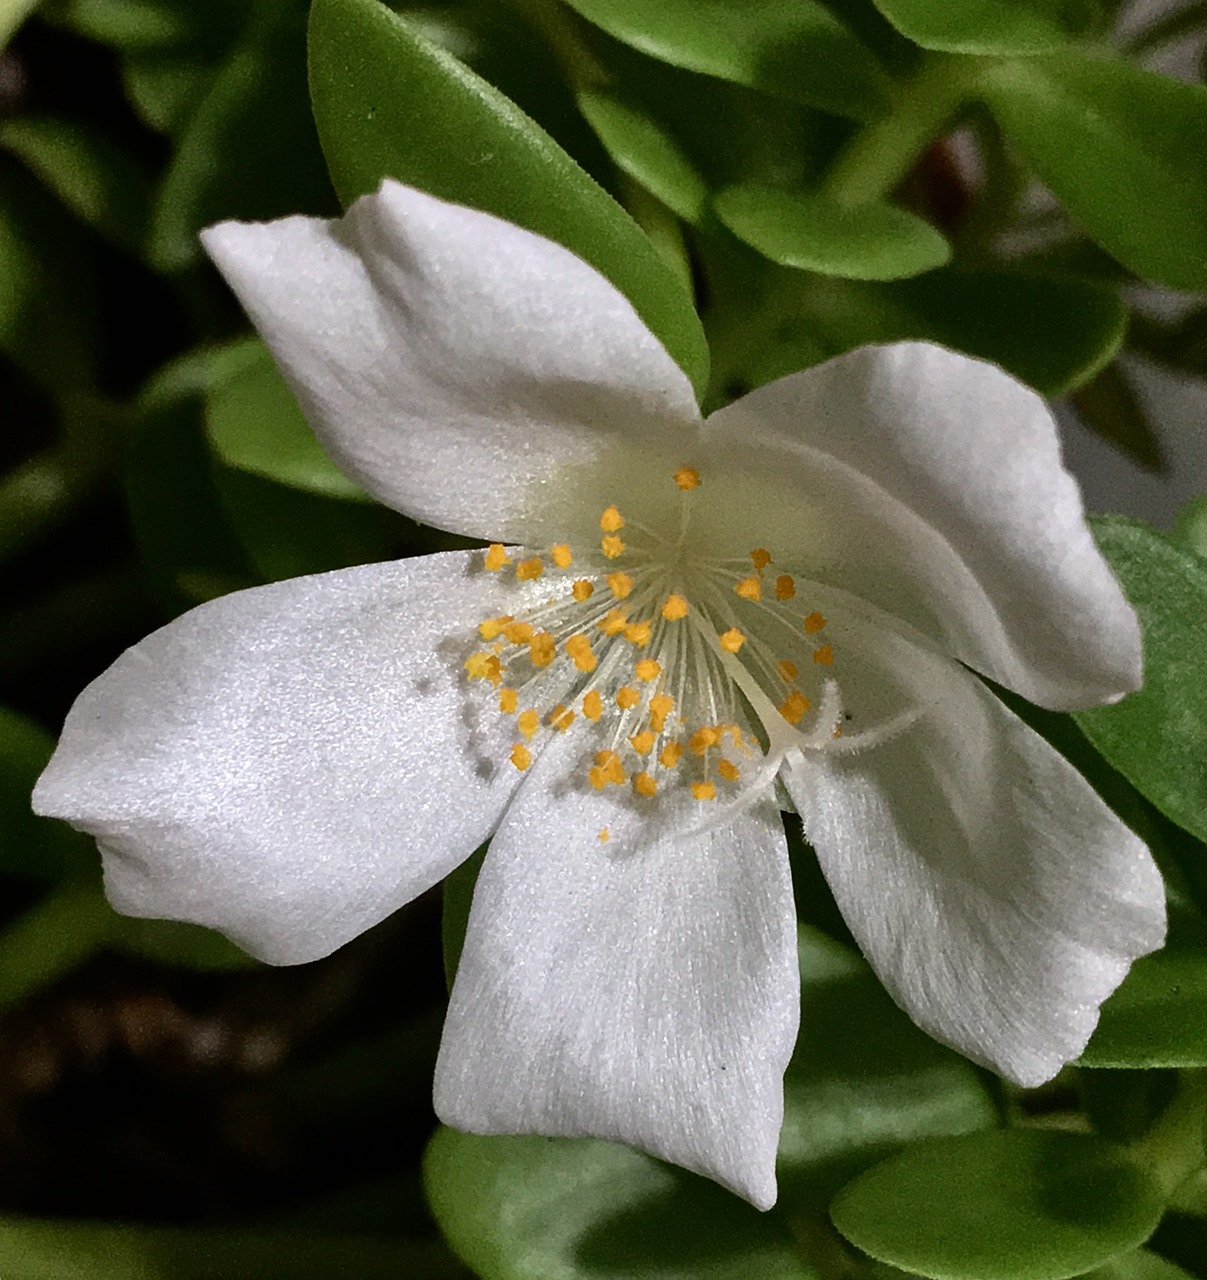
691, 625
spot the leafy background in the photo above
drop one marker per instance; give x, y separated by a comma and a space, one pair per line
771, 182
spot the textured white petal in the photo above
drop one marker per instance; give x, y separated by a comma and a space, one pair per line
452, 362
996, 895
931, 484
645, 990
292, 763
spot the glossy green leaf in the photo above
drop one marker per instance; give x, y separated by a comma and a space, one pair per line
97, 178
1115, 143
12, 14
1017, 1204
795, 49
580, 1209
874, 241
255, 425
167, 88
151, 24
389, 103
1157, 738
990, 26
647, 153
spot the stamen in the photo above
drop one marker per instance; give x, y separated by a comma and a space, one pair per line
669, 756
529, 570
521, 757
561, 718
750, 589
541, 649
528, 722
794, 707
509, 700
638, 633
627, 697
704, 790
702, 739
489, 629
761, 557
644, 785
582, 590
619, 584
562, 555
661, 705
814, 623
674, 608
647, 669
611, 546
614, 622
518, 632
785, 587
611, 520
496, 557
729, 771
604, 835
484, 666
732, 640
687, 478
579, 648
592, 705
824, 654
643, 742
787, 670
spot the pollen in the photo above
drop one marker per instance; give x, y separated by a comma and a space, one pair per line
496, 557
611, 520
509, 700
761, 557
787, 670
609, 766
661, 705
528, 722
563, 557
644, 785
491, 628
814, 623
541, 649
518, 632
794, 706
529, 570
561, 718
643, 742
647, 669
702, 739
638, 633
582, 590
592, 705
627, 697
729, 771
484, 666
604, 835
731, 640
785, 587
824, 654
704, 790
687, 478
674, 608
579, 648
614, 622
750, 589
521, 757
619, 584
669, 756
611, 545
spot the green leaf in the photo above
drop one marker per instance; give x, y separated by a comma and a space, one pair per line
795, 49
1109, 406
388, 102
875, 241
150, 24
1157, 738
990, 26
69, 925
173, 943
580, 1209
1190, 525
12, 14
1140, 1265
255, 425
1118, 146
647, 153
1017, 1204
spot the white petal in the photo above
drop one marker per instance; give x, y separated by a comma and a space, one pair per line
995, 894
449, 361
645, 990
931, 484
292, 763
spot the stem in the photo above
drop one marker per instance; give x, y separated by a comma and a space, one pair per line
883, 152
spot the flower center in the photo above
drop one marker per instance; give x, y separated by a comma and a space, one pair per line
671, 656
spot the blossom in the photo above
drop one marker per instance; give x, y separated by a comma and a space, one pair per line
679, 627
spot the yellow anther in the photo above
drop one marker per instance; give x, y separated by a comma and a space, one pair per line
734, 731
521, 757
541, 649
608, 763
704, 790
824, 654
638, 633
643, 742
647, 669
592, 705
787, 670
528, 722
596, 778
674, 607
794, 706
687, 478
661, 705
750, 589
813, 623
582, 590
731, 640
562, 555
611, 546
761, 557
730, 772
579, 648
627, 697
518, 632
496, 557
561, 718
614, 622
611, 520
492, 626
785, 587
836, 732
604, 835
644, 785
668, 757
619, 584
702, 739
529, 570
484, 666
509, 700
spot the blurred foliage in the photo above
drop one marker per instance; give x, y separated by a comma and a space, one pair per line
790, 178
